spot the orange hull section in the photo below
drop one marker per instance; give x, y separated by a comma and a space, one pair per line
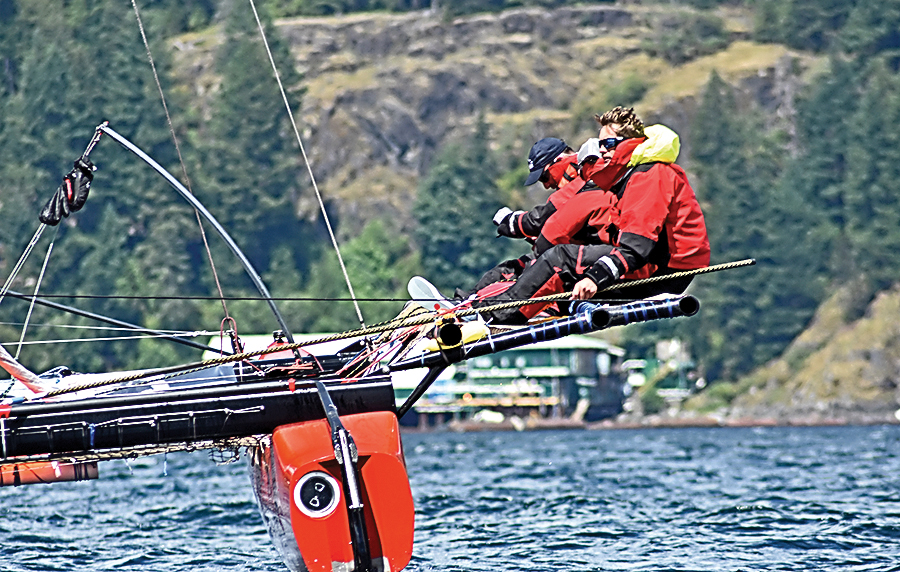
311, 476
46, 472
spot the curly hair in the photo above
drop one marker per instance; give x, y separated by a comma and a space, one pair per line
624, 121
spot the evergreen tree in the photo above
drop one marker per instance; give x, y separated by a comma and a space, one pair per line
873, 29
803, 24
68, 85
11, 31
748, 316
379, 264
250, 169
453, 209
873, 180
818, 172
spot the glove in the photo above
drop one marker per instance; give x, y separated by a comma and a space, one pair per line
507, 223
502, 214
71, 195
603, 272
589, 150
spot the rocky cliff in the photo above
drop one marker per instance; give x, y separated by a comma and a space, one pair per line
840, 368
383, 92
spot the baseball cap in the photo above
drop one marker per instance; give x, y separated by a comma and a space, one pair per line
542, 154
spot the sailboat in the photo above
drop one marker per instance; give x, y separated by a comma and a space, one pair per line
320, 429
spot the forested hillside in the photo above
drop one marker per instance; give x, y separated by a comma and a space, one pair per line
417, 120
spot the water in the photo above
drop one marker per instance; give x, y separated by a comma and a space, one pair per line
795, 499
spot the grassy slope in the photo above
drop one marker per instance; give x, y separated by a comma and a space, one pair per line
840, 367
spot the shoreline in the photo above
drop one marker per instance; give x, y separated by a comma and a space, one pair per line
656, 422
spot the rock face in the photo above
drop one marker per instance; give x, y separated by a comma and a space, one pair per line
839, 369
384, 92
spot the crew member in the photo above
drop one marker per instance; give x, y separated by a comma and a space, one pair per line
657, 222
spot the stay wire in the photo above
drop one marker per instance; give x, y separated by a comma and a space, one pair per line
25, 254
37, 288
618, 285
111, 329
308, 165
187, 179
103, 339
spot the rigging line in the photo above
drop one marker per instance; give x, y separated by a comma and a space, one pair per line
108, 320
312, 177
192, 333
25, 254
37, 288
192, 200
231, 298
106, 339
180, 158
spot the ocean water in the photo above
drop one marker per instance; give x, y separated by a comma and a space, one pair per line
738, 499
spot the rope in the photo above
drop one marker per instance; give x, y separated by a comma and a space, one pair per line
389, 325
162, 97
617, 286
306, 161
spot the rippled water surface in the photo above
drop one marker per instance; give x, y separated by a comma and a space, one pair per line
682, 499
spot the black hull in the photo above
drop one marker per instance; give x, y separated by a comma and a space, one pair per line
74, 427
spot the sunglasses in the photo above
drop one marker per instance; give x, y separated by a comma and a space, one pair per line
610, 143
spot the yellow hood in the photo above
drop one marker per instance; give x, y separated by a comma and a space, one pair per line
662, 145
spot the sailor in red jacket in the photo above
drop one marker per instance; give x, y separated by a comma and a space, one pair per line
656, 221
552, 162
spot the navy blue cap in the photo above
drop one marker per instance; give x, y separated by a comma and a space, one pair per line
542, 154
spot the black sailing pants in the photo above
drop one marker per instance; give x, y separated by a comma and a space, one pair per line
558, 269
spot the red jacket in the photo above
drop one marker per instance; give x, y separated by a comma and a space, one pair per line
529, 224
590, 217
649, 215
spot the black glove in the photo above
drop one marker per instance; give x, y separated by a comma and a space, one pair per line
71, 194
507, 223
603, 272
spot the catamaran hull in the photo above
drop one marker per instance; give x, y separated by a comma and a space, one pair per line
297, 482
81, 427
